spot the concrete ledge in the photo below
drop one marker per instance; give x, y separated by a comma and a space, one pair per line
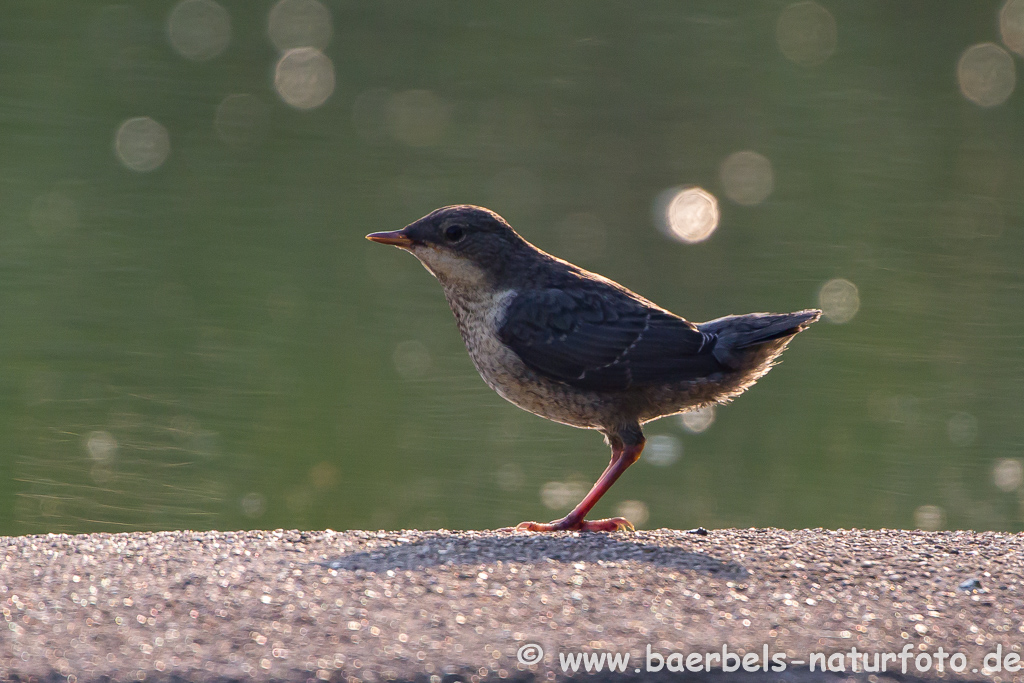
442, 605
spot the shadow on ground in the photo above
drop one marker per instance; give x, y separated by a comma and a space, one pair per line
444, 549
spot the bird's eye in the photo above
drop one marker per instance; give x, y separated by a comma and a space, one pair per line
454, 233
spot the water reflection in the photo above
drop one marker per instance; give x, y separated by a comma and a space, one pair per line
137, 473
510, 477
839, 300
562, 495
1007, 474
747, 177
253, 505
688, 214
986, 74
662, 450
142, 144
304, 77
323, 476
101, 446
1011, 25
929, 518
806, 33
698, 421
412, 359
635, 511
199, 29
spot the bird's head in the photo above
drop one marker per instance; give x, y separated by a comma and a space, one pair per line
460, 245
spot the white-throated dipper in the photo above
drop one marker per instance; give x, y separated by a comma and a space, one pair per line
577, 348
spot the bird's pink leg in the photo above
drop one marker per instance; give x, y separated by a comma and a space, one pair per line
622, 457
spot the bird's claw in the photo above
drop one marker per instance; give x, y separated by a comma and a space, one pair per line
613, 524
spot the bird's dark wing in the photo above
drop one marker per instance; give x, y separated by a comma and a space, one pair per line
591, 340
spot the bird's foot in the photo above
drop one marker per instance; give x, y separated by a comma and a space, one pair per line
613, 524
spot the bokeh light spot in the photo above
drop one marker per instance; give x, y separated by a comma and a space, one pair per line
662, 450
839, 300
697, 421
904, 410
929, 517
417, 117
299, 23
253, 504
304, 77
688, 214
806, 33
1011, 25
142, 144
510, 477
323, 476
986, 74
199, 29
747, 177
634, 510
1007, 474
412, 359
559, 495
241, 120
102, 473
101, 446
962, 429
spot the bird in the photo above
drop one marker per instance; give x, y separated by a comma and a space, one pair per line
577, 348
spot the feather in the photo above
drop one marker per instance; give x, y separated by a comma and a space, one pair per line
604, 341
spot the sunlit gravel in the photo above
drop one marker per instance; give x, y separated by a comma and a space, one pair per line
298, 606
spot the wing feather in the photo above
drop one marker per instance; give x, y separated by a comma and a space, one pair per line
604, 343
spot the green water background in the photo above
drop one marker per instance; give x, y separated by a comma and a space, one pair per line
213, 344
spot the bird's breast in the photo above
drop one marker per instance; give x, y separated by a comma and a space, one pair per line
480, 315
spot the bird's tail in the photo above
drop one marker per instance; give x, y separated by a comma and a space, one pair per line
738, 333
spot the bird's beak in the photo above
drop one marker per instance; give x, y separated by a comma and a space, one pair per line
398, 238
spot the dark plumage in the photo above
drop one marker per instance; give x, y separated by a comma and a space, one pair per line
577, 348
603, 342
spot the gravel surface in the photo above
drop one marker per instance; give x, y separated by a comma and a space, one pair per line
441, 606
